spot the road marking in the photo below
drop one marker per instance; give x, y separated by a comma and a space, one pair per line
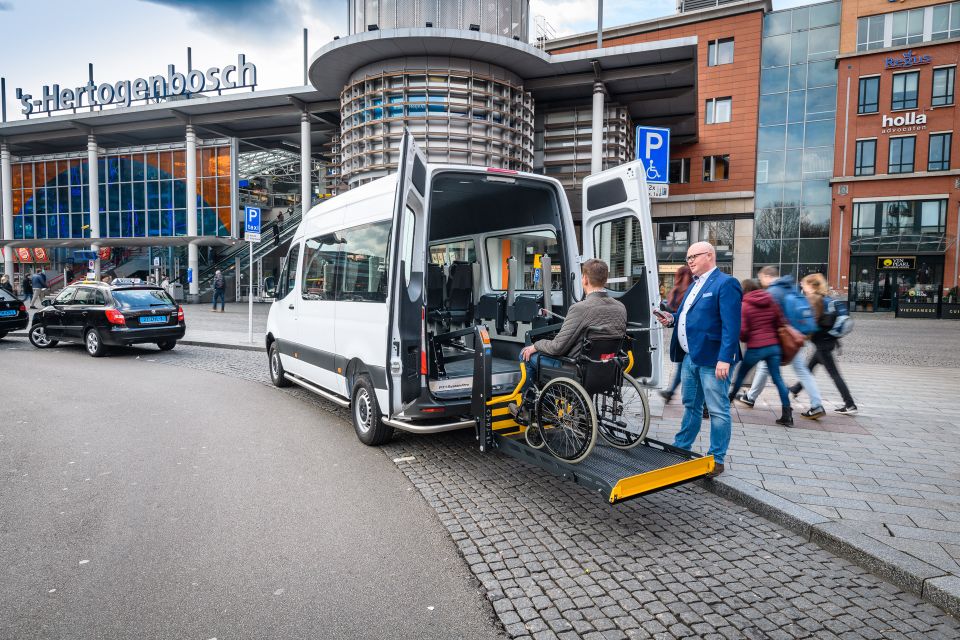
405, 459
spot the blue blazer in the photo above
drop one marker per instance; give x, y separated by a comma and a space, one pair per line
713, 323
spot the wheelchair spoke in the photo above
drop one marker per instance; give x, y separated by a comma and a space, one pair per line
623, 415
566, 420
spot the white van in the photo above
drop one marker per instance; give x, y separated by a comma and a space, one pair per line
384, 282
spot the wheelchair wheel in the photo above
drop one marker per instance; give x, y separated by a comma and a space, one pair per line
623, 421
534, 436
567, 420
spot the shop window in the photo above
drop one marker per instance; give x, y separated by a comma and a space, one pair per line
680, 171
868, 98
938, 158
943, 81
673, 239
718, 110
866, 158
720, 52
905, 90
716, 168
720, 234
901, 154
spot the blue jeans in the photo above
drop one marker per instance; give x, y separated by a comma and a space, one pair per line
533, 366
677, 372
769, 355
218, 295
804, 377
700, 385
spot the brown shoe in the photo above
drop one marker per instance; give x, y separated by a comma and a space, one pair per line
717, 470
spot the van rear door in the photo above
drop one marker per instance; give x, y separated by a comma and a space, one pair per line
406, 355
617, 229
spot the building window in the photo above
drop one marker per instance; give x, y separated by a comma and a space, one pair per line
673, 239
720, 52
716, 168
720, 234
718, 110
938, 158
943, 80
866, 163
905, 89
870, 33
907, 27
901, 154
680, 171
946, 21
868, 100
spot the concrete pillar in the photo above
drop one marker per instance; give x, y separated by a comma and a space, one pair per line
6, 182
93, 186
596, 134
305, 164
193, 255
742, 249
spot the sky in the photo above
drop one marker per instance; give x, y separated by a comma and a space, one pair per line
43, 42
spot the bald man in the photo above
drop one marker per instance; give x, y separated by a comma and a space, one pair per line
706, 340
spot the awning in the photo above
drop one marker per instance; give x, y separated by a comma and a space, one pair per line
913, 243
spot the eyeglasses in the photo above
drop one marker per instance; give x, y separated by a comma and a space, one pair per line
695, 256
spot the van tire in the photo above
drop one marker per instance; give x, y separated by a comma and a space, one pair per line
277, 376
365, 412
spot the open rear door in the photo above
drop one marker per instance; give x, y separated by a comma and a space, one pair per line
406, 346
617, 230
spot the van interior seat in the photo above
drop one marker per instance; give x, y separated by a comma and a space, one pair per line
525, 308
460, 292
436, 281
493, 307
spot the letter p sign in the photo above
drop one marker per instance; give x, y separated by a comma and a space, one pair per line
653, 149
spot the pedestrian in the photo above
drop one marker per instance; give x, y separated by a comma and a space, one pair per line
165, 283
39, 282
26, 288
6, 285
276, 233
219, 285
796, 309
706, 340
815, 288
69, 275
760, 319
681, 283
280, 221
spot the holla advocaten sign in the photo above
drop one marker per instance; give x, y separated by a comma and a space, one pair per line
53, 98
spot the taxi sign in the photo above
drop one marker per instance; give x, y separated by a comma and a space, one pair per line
251, 225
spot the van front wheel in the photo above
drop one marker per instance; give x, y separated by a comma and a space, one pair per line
366, 414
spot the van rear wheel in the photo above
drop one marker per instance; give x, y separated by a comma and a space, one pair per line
365, 411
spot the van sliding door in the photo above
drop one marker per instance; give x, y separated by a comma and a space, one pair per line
617, 229
406, 350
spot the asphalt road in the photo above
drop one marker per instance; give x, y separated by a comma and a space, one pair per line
144, 501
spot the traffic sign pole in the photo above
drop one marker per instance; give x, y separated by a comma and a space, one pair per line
252, 234
250, 299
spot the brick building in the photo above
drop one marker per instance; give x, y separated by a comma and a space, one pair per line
894, 229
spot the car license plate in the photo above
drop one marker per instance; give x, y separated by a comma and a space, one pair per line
153, 319
8, 312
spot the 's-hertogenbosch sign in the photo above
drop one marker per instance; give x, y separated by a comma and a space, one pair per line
124, 92
905, 60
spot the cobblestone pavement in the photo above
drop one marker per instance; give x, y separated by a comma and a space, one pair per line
557, 562
892, 472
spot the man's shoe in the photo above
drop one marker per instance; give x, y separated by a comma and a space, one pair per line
513, 409
706, 414
849, 410
814, 413
717, 470
667, 396
743, 398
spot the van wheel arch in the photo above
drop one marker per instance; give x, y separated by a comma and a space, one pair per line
355, 368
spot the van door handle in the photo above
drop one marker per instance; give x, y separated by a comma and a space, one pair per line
290, 307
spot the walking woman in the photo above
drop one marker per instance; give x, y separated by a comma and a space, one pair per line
815, 288
760, 317
681, 282
6, 285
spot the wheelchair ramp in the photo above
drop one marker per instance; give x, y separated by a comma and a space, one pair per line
617, 474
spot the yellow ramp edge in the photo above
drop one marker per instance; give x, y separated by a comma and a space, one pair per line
659, 478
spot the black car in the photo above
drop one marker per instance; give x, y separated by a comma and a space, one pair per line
121, 313
13, 313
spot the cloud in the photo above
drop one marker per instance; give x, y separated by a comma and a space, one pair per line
566, 17
253, 18
6, 6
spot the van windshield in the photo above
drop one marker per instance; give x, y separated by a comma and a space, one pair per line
528, 247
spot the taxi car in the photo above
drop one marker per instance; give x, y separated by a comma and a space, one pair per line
13, 313
121, 313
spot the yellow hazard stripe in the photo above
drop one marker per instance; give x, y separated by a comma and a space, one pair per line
659, 478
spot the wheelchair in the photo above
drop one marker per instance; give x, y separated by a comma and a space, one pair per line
566, 408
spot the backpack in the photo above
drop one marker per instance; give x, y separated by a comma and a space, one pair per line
798, 311
843, 323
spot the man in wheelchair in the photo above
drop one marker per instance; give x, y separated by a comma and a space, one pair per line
601, 315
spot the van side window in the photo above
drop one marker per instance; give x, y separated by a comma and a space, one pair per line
406, 242
619, 243
321, 268
289, 275
528, 247
364, 263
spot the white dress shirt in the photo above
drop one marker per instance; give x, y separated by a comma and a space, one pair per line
698, 283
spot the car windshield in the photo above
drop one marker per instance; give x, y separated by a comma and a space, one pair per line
128, 299
6, 295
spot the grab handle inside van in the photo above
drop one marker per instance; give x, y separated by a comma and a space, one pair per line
545, 278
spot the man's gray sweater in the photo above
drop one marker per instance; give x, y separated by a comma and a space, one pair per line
598, 310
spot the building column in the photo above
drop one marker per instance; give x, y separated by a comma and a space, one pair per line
596, 133
6, 181
742, 249
193, 254
93, 187
306, 187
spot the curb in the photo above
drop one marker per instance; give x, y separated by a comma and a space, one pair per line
193, 343
901, 569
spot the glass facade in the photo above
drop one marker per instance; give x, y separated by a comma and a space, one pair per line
142, 194
798, 97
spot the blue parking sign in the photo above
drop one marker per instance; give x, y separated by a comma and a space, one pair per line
252, 220
653, 149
